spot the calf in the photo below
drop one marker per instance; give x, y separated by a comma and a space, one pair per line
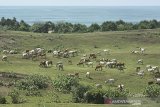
88, 74
98, 67
60, 67
138, 69
80, 63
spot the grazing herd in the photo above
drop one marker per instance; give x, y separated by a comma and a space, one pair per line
89, 60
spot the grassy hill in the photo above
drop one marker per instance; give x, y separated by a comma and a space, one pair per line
119, 43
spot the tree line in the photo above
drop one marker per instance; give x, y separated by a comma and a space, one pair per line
67, 27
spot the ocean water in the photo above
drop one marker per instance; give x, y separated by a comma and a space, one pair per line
84, 15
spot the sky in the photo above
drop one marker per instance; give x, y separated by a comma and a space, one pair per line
79, 2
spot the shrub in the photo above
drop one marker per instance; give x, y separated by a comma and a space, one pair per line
97, 96
12, 75
152, 91
78, 93
94, 96
1, 83
8, 100
116, 94
16, 97
65, 83
33, 82
2, 100
33, 93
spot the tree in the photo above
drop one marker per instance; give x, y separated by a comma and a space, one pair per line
79, 28
94, 27
120, 22
109, 26
121, 27
37, 27
3, 21
153, 24
144, 25
64, 27
23, 26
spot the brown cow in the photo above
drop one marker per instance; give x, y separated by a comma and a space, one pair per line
80, 63
93, 56
98, 67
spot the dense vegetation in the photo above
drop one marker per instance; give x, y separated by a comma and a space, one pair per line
66, 27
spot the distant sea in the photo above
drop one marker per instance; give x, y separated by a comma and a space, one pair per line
80, 14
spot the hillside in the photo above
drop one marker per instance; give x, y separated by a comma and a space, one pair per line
120, 44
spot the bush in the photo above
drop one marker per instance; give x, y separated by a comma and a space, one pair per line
2, 100
65, 83
152, 91
16, 97
116, 94
94, 96
78, 93
33, 93
1, 83
97, 96
8, 100
33, 82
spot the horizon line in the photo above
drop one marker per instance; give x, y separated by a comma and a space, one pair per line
86, 5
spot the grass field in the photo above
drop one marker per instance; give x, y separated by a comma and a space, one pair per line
119, 43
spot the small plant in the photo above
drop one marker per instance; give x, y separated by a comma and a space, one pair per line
33, 93
1, 83
65, 83
78, 93
94, 96
33, 82
114, 94
16, 97
12, 75
2, 100
152, 91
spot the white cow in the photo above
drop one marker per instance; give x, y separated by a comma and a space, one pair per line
142, 50
135, 52
5, 51
110, 81
106, 51
153, 69
150, 70
13, 52
158, 80
148, 66
88, 74
103, 63
55, 53
113, 60
25, 55
4, 58
98, 85
156, 68
140, 61
141, 73
89, 64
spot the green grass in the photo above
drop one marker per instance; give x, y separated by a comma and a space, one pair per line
120, 44
77, 105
